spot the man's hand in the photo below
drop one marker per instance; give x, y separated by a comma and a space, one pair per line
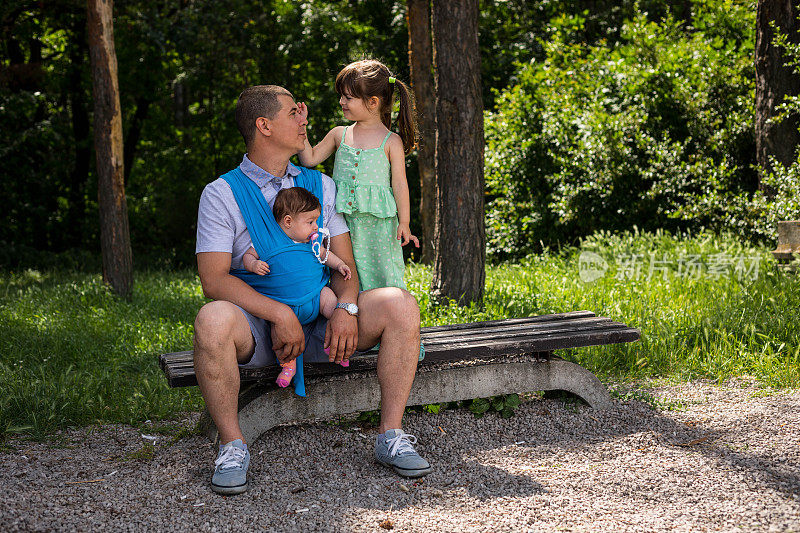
288, 340
341, 336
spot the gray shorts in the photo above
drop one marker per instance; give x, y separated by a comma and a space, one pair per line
263, 354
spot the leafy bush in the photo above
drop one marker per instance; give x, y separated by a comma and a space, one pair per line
504, 405
655, 131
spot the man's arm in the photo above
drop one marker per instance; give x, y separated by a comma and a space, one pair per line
341, 336
219, 284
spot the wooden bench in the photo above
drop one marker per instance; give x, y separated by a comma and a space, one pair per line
462, 361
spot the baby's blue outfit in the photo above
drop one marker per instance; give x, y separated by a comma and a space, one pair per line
294, 269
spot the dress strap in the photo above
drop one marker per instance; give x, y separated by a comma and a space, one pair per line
344, 132
386, 139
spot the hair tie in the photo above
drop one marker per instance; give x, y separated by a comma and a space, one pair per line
392, 79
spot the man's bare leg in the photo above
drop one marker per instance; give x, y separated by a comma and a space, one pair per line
222, 338
391, 316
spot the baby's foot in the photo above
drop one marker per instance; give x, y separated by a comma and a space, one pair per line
285, 377
344, 362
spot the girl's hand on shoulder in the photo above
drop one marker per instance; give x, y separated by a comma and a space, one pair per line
302, 110
404, 235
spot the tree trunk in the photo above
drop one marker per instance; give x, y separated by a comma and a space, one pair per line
460, 237
420, 55
115, 241
774, 81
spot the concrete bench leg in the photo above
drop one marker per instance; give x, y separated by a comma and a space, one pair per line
262, 408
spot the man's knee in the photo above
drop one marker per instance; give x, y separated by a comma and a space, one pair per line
214, 324
404, 309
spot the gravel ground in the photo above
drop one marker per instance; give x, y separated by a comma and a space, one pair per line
722, 458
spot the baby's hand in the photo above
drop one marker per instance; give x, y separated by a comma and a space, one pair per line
302, 110
260, 268
404, 234
344, 270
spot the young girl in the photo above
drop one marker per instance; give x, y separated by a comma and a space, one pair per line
370, 170
296, 210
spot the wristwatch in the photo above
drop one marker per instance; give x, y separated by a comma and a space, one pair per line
350, 308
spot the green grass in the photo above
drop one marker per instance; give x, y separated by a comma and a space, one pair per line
71, 353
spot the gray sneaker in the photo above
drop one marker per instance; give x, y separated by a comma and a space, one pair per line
230, 474
395, 449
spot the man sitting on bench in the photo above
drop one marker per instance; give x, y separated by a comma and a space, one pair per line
244, 328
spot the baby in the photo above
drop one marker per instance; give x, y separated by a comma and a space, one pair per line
296, 210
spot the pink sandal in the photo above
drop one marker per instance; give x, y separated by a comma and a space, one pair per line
344, 362
285, 377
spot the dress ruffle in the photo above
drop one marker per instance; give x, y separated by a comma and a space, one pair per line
376, 200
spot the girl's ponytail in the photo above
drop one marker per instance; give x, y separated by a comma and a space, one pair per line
406, 126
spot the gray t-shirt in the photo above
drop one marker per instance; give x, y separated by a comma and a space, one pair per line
220, 225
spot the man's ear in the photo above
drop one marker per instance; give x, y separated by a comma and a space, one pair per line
263, 126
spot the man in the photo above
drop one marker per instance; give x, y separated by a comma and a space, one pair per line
241, 327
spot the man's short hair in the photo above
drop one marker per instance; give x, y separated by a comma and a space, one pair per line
254, 102
292, 201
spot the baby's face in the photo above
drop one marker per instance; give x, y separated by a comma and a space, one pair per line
301, 226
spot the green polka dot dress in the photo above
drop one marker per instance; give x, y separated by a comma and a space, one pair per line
364, 196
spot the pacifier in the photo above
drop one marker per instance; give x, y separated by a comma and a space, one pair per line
316, 246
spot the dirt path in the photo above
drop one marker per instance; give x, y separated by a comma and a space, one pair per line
710, 458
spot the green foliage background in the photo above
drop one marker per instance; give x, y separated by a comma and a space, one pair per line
600, 114
181, 67
654, 130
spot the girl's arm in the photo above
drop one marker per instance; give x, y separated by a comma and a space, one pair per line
313, 156
397, 158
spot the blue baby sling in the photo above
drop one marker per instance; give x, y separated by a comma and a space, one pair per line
296, 277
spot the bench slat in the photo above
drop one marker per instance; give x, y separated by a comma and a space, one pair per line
525, 320
498, 332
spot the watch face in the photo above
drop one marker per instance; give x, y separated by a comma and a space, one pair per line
349, 307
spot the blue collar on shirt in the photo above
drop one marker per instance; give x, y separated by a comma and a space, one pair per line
260, 176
